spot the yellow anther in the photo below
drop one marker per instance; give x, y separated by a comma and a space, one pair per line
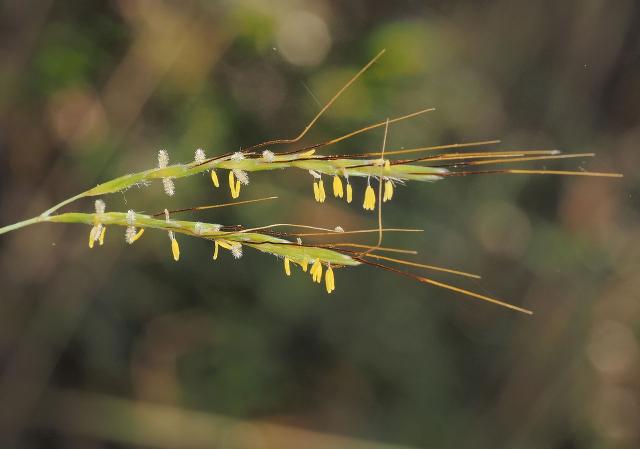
337, 187
305, 264
287, 266
329, 280
175, 249
101, 239
316, 191
214, 178
349, 193
369, 199
316, 271
388, 190
232, 184
215, 249
138, 235
387, 165
237, 189
321, 193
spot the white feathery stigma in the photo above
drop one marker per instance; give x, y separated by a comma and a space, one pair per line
100, 206
236, 250
163, 159
200, 156
167, 183
241, 176
268, 155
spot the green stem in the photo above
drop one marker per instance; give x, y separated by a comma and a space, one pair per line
42, 217
48, 212
22, 224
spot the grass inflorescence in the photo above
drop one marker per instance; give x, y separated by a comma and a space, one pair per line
385, 169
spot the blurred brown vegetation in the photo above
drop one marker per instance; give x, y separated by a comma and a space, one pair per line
122, 347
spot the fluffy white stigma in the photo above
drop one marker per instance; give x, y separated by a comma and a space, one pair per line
163, 159
237, 156
131, 217
241, 176
100, 206
130, 234
268, 155
169, 186
236, 250
200, 157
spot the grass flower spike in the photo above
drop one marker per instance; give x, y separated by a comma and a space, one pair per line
390, 168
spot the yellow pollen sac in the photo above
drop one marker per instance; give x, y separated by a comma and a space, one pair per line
337, 187
215, 249
138, 235
387, 165
232, 184
304, 264
316, 192
329, 280
316, 271
214, 178
321, 192
369, 199
349, 193
175, 249
101, 239
287, 266
388, 190
237, 189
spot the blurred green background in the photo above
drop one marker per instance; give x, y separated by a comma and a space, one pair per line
120, 347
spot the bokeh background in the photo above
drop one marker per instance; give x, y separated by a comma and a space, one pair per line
120, 347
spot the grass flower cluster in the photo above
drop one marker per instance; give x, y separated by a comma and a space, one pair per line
384, 169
